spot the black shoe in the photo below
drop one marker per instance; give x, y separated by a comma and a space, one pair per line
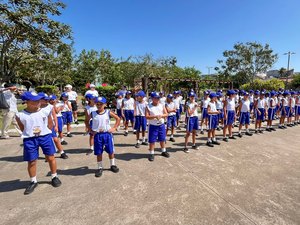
151, 157
69, 135
165, 154
232, 137
55, 182
240, 135
172, 139
256, 132
186, 150
195, 147
64, 156
125, 134
98, 172
201, 132
248, 134
209, 144
225, 139
144, 143
268, 129
273, 129
63, 142
114, 169
30, 188
280, 127
134, 132
284, 127
76, 122
197, 134
218, 129
260, 131
178, 128
137, 145
215, 143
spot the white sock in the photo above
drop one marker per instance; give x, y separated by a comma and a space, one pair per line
53, 175
144, 139
247, 130
68, 132
214, 139
92, 147
151, 152
209, 139
201, 128
138, 141
61, 140
171, 135
240, 131
112, 162
163, 150
33, 179
62, 152
99, 164
126, 131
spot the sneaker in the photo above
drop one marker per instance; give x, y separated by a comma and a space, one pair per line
218, 129
5, 137
248, 134
69, 135
76, 122
151, 157
64, 156
209, 144
201, 132
63, 142
98, 172
55, 182
280, 127
137, 145
268, 129
232, 137
195, 147
225, 139
165, 154
215, 143
114, 169
260, 131
256, 132
240, 135
144, 143
134, 132
289, 125
273, 129
125, 134
284, 127
172, 139
30, 188
186, 150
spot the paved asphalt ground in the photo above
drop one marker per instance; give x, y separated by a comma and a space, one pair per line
252, 180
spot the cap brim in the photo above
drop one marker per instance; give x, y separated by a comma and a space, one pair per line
35, 98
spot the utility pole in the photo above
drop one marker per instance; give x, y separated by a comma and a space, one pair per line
289, 53
208, 68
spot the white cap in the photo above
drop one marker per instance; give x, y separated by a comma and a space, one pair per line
68, 86
92, 85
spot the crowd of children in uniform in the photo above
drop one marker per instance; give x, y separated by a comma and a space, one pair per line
43, 119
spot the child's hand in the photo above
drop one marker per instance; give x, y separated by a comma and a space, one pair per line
111, 130
56, 129
158, 117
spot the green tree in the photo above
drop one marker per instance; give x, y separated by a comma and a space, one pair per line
246, 59
27, 29
296, 82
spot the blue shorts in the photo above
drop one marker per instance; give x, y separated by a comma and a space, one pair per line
271, 113
54, 134
178, 114
60, 123
171, 121
277, 108
67, 117
213, 121
291, 112
285, 111
192, 124
204, 113
157, 133
119, 113
181, 108
140, 123
260, 116
129, 115
244, 118
32, 144
229, 117
103, 141
221, 114
297, 110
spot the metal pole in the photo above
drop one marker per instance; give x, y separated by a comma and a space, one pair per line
289, 53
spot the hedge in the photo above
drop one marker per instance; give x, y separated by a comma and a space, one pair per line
269, 85
48, 89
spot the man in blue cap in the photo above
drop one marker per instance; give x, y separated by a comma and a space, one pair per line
36, 126
140, 123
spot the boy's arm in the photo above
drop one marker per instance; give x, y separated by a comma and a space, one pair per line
50, 122
87, 119
54, 119
117, 123
21, 125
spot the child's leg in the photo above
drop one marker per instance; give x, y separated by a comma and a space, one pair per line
194, 137
91, 141
52, 164
58, 145
224, 131
31, 167
68, 128
230, 130
99, 161
187, 135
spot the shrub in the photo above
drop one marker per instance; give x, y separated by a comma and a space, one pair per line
48, 89
273, 84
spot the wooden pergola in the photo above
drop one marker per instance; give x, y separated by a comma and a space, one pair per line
145, 82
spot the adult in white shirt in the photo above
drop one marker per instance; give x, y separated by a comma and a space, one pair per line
73, 99
9, 115
92, 91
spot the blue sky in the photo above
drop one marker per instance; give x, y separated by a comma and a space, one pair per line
195, 31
